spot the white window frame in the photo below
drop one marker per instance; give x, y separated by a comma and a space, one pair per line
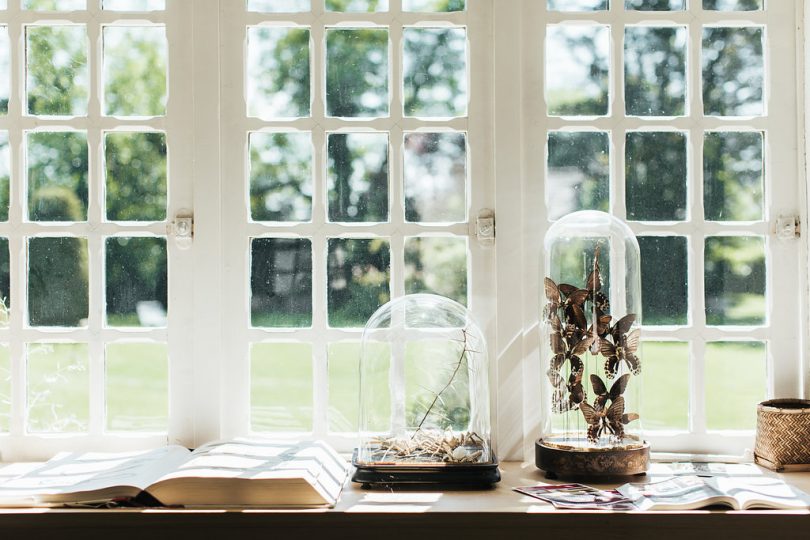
206, 126
520, 166
236, 228
177, 124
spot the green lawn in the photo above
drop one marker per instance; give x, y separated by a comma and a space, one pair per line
282, 392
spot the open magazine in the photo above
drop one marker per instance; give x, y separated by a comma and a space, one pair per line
240, 472
691, 492
578, 497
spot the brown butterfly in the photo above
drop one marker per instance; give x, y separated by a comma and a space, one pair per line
622, 326
600, 331
594, 286
576, 392
607, 420
602, 393
624, 350
552, 296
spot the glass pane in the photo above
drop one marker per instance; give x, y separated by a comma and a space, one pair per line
58, 378
733, 176
358, 177
655, 176
5, 68
344, 386
281, 282
58, 77
5, 175
357, 5
435, 72
278, 6
57, 176
429, 365
57, 281
5, 389
735, 280
135, 176
664, 279
733, 71
435, 175
55, 5
5, 282
577, 5
137, 387
135, 60
278, 72
438, 265
358, 274
665, 394
655, 70
577, 70
655, 5
733, 5
281, 387
433, 5
281, 176
578, 175
136, 285
735, 383
357, 72
134, 5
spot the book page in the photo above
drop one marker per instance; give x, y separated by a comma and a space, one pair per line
761, 492
85, 473
254, 471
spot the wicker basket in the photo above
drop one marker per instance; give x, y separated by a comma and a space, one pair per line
783, 434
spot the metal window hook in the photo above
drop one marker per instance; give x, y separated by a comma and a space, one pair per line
182, 229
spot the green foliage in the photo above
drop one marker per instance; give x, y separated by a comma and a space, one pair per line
57, 70
136, 271
135, 65
357, 72
57, 159
58, 281
136, 176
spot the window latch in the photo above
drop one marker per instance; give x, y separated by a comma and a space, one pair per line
485, 227
182, 229
788, 227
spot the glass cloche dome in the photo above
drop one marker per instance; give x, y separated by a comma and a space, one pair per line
424, 396
591, 329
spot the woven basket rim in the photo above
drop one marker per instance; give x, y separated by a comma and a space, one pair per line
777, 405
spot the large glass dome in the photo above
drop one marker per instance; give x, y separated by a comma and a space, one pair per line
591, 324
424, 387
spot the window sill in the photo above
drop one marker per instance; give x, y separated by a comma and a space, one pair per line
439, 515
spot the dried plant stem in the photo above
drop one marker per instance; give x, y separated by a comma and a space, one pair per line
446, 386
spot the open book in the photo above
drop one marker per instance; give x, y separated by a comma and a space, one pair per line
241, 472
690, 492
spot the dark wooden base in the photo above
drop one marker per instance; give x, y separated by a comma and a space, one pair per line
592, 462
477, 476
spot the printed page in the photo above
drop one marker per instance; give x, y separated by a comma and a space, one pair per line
681, 492
762, 492
90, 474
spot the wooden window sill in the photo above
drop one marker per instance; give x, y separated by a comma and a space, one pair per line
417, 515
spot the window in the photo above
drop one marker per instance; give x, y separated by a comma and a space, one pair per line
357, 170
337, 153
674, 116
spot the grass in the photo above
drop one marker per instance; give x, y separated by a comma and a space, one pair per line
282, 389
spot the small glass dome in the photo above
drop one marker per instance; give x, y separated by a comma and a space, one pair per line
591, 325
424, 386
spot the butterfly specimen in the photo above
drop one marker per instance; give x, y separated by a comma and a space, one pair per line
579, 320
601, 391
607, 420
623, 348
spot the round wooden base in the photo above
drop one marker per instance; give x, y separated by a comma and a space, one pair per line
588, 463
